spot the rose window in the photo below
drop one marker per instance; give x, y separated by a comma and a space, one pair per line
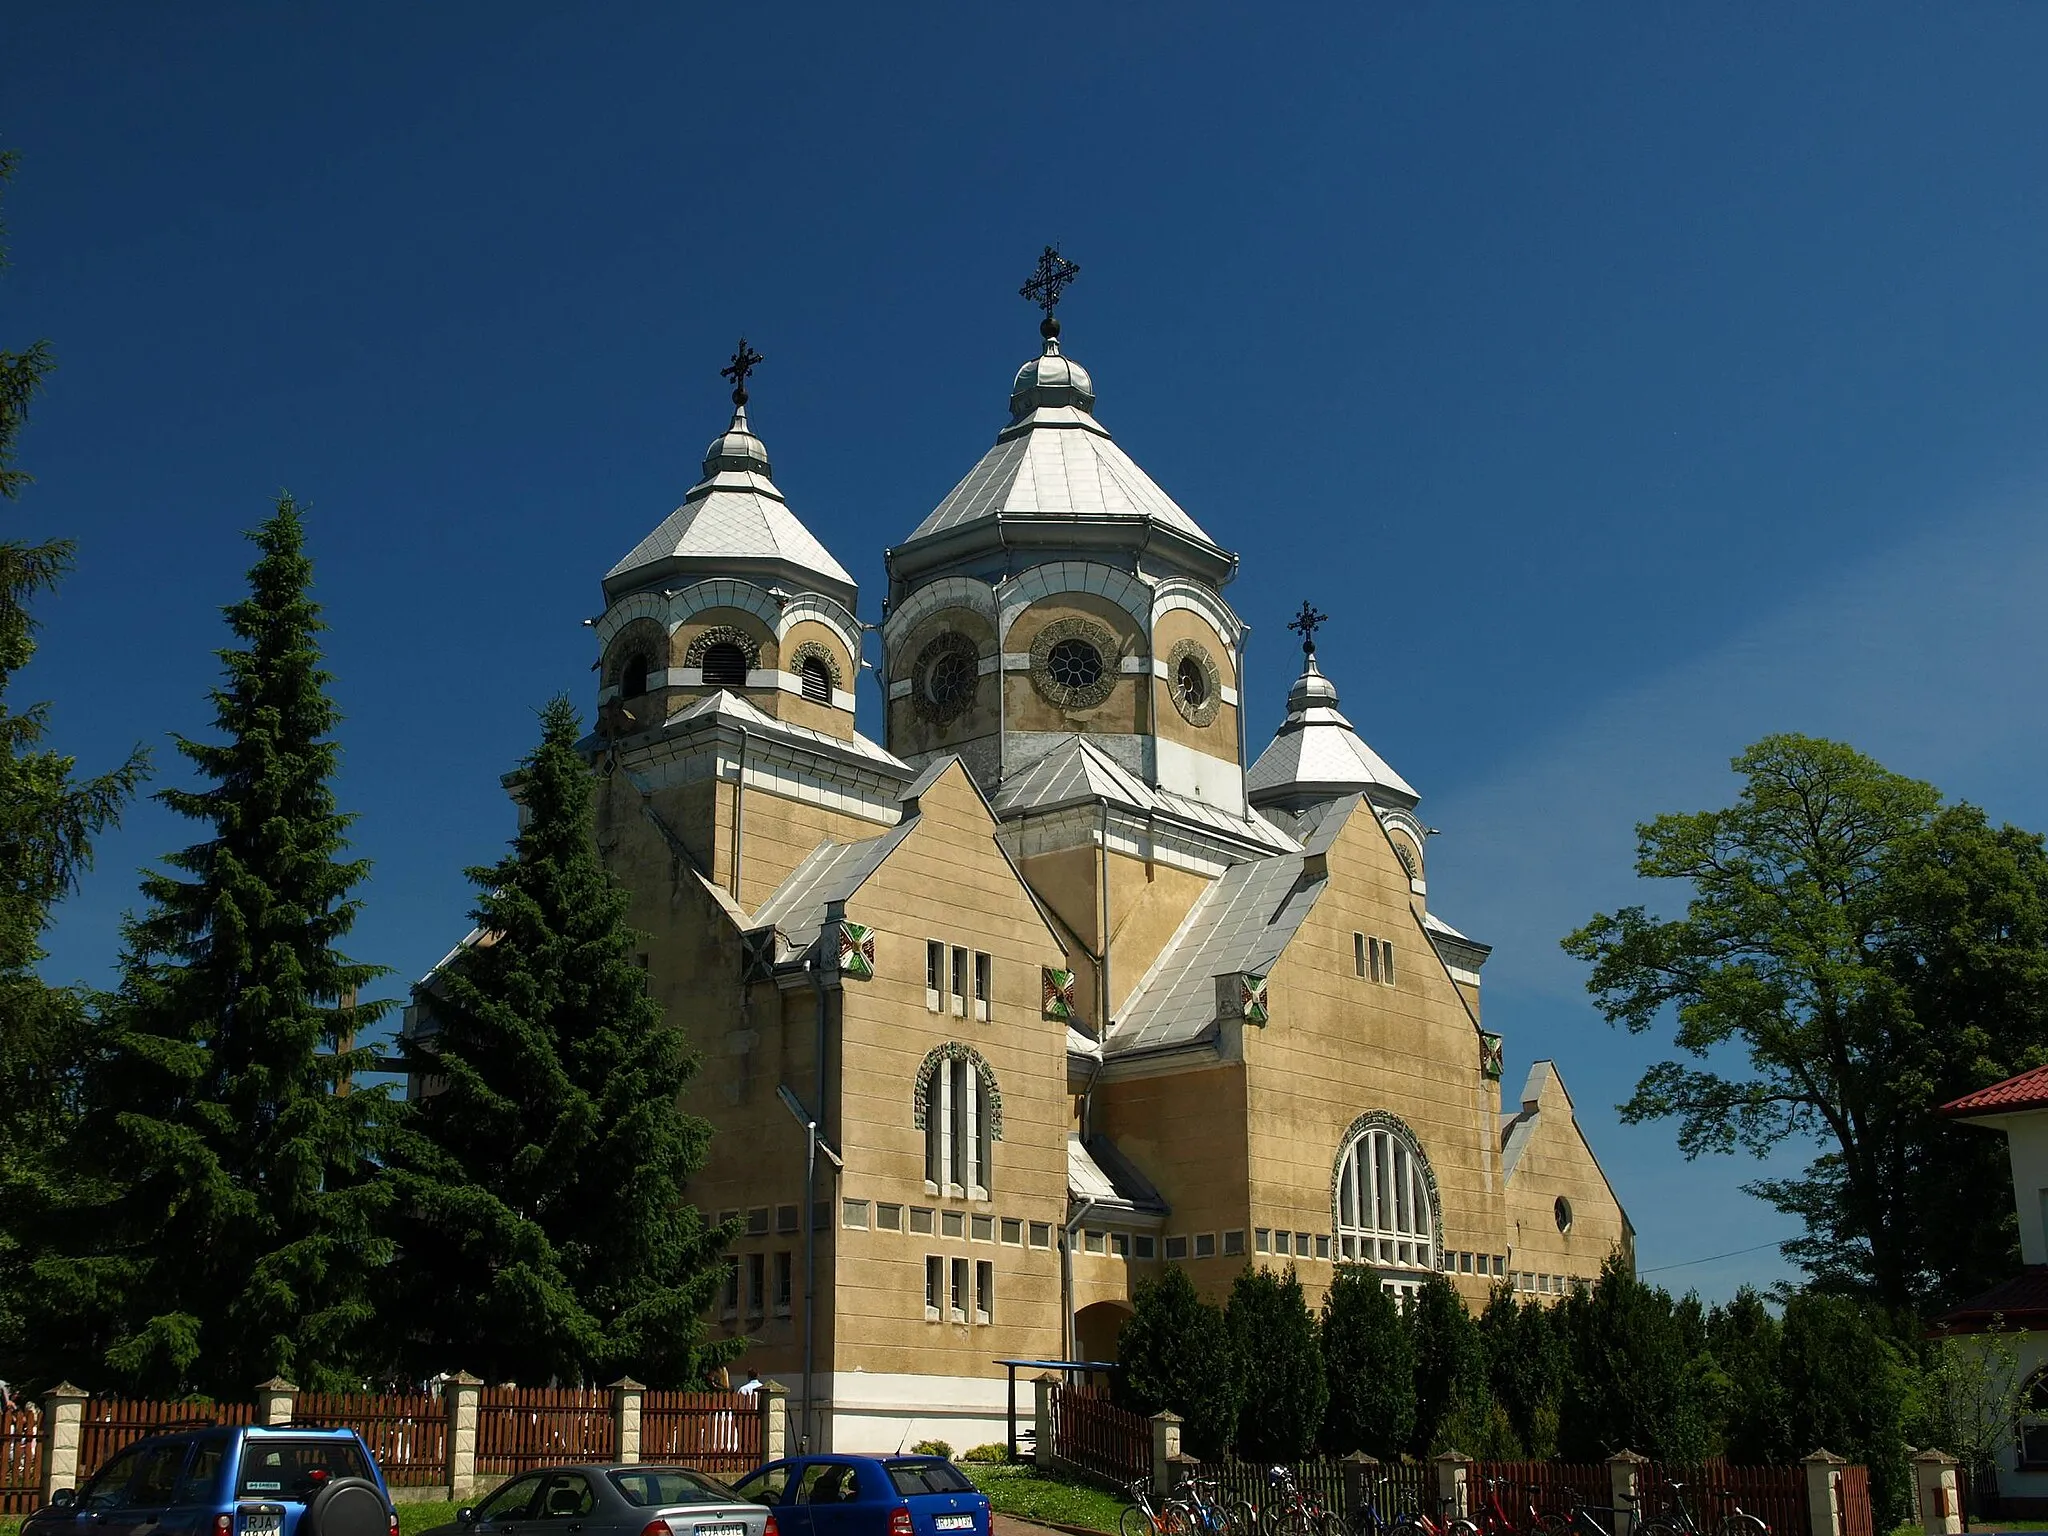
1074, 664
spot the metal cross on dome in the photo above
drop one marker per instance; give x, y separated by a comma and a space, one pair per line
1048, 282
1305, 624
744, 361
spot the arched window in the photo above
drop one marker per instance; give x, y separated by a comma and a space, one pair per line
725, 666
1386, 1208
633, 677
817, 680
962, 1120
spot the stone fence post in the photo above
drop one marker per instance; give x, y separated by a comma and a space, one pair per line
772, 1402
1823, 1492
1454, 1483
1361, 1480
63, 1430
626, 1396
462, 1394
1041, 1418
275, 1400
1934, 1480
1625, 1490
1165, 1450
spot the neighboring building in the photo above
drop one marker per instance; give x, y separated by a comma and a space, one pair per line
1074, 987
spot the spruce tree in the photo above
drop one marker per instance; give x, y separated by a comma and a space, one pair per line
1369, 1363
1280, 1365
226, 1231
1447, 1360
543, 1213
48, 818
1177, 1353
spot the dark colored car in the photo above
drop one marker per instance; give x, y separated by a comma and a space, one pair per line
239, 1481
868, 1496
639, 1499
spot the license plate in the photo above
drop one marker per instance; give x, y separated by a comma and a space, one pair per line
721, 1530
953, 1522
262, 1522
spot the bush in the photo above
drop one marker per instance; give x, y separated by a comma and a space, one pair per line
1632, 1384
994, 1451
1369, 1366
1177, 1354
932, 1448
1280, 1365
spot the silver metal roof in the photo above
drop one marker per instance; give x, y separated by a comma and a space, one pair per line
734, 520
1076, 772
1318, 755
831, 872
1098, 1171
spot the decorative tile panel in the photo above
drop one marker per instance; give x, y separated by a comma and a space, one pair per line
857, 951
1489, 1056
758, 951
1242, 995
1059, 996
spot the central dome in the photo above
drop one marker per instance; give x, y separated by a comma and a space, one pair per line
1051, 379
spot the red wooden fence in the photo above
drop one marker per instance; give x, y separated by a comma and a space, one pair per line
1552, 1486
1095, 1435
715, 1432
21, 1459
519, 1428
408, 1434
1858, 1519
1775, 1495
113, 1422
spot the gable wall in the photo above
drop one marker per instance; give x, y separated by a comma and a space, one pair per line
1557, 1163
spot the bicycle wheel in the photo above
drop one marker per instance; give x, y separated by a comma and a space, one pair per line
1462, 1527
1135, 1522
1656, 1528
1241, 1518
1744, 1525
1552, 1525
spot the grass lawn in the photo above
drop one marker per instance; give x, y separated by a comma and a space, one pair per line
414, 1518
1029, 1494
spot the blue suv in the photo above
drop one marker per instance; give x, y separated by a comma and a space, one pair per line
219, 1481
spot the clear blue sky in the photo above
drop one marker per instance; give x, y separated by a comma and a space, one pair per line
1627, 380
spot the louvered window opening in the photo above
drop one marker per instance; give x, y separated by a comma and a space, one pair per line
725, 666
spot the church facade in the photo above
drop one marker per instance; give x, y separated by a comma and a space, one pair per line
1057, 983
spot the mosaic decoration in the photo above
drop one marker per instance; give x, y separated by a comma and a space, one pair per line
642, 637
1384, 1120
1193, 682
1489, 1056
758, 950
1059, 996
723, 634
857, 951
953, 1050
945, 678
1241, 995
811, 651
1060, 668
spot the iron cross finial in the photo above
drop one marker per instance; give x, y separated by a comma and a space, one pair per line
744, 361
1047, 283
1305, 624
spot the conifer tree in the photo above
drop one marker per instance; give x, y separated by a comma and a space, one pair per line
226, 1235
1177, 1353
48, 818
1369, 1365
1280, 1365
1448, 1363
543, 1212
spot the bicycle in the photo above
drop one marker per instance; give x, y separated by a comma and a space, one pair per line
1208, 1512
1582, 1521
1738, 1522
1297, 1511
1144, 1518
1367, 1520
1494, 1520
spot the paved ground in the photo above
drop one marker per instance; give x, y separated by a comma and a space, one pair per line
1010, 1525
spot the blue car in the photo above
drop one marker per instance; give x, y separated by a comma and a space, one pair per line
212, 1480
867, 1496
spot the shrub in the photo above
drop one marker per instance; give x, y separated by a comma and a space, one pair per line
932, 1448
1524, 1352
1632, 1383
1177, 1354
994, 1451
1369, 1367
1280, 1365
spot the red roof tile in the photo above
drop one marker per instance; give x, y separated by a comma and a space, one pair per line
2027, 1091
2021, 1302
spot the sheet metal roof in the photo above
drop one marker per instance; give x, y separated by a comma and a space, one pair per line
1317, 753
1097, 1171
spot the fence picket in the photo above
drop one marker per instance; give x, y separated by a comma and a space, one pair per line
112, 1423
519, 1428
407, 1433
21, 1458
715, 1432
1093, 1434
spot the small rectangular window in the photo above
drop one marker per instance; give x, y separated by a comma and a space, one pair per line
1013, 1232
1233, 1244
730, 1303
1119, 1245
982, 1229
1465, 1263
725, 1217
1358, 952
1262, 1240
1301, 1245
984, 985
1322, 1245
757, 1221
984, 1291
1372, 950
1205, 1245
785, 1218
1176, 1248
854, 1213
1387, 959
934, 1286
888, 1218
952, 1224
1144, 1246
783, 1285
1041, 1234
1283, 1243
959, 1290
1500, 1265
757, 1284
934, 973
1092, 1241
959, 980
921, 1220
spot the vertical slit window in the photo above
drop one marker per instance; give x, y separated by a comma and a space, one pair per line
959, 1290
984, 985
959, 980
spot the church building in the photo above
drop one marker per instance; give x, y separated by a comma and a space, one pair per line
1057, 979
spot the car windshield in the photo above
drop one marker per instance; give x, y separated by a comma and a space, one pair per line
296, 1469
656, 1487
927, 1477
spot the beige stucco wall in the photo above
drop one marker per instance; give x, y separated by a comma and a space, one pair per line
1189, 1131
1219, 737
1125, 710
909, 734
1556, 1163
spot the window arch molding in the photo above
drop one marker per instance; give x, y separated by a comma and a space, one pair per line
1382, 1129
960, 1110
723, 634
953, 1050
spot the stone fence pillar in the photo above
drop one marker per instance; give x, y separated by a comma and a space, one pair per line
1041, 1418
1165, 1450
63, 1430
1941, 1505
275, 1400
1625, 1490
1361, 1481
462, 1394
1823, 1493
626, 1396
1454, 1483
772, 1402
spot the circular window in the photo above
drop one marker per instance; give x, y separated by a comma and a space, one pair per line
1563, 1211
1193, 683
1073, 663
945, 678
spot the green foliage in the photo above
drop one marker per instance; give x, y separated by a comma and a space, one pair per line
994, 1451
1280, 1365
1450, 1373
1868, 954
540, 1183
1744, 1338
1846, 1388
223, 1230
1972, 1395
48, 819
932, 1448
1177, 1354
1631, 1384
1369, 1367
1526, 1358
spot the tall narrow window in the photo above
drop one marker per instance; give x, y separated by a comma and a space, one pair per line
959, 981
1385, 1216
1372, 950
633, 681
783, 1285
1387, 960
1358, 952
984, 1291
934, 1286
757, 1284
961, 1172
731, 1300
934, 973
984, 984
959, 1290
961, 1114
